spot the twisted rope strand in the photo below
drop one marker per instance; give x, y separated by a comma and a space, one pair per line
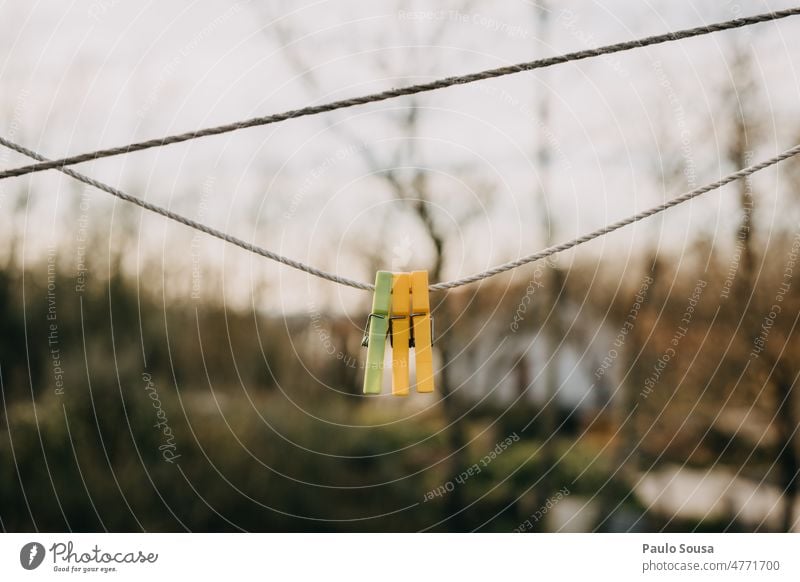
543, 254
404, 91
193, 223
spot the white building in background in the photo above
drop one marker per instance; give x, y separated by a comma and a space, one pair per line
504, 362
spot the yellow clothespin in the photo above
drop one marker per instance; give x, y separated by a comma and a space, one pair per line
400, 332
421, 330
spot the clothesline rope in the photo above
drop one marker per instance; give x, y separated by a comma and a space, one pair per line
404, 91
742, 173
549, 251
192, 223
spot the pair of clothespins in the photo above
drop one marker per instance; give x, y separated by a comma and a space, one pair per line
401, 311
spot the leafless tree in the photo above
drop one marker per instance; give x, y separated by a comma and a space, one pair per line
774, 366
406, 178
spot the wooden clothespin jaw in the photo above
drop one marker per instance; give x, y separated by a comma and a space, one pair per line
400, 332
375, 333
422, 330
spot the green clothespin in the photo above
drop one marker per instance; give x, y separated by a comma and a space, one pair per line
375, 333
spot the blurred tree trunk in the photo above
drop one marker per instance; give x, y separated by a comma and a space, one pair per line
745, 132
743, 101
458, 460
549, 298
